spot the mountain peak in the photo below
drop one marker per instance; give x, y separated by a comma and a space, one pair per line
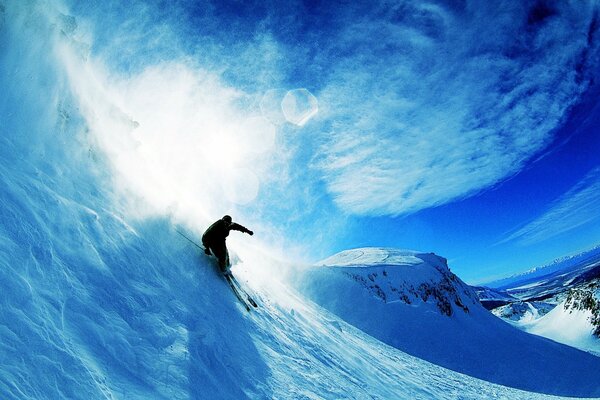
406, 276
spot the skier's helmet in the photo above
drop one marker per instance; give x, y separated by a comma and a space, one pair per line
227, 219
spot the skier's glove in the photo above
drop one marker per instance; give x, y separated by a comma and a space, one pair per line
250, 233
207, 251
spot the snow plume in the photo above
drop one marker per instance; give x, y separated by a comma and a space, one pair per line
30, 79
431, 103
176, 137
577, 207
172, 136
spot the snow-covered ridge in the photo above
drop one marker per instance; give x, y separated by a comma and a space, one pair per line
372, 256
406, 276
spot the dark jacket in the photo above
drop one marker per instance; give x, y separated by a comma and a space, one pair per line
219, 231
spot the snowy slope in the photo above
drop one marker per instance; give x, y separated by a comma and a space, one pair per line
535, 294
97, 305
573, 320
523, 311
411, 301
567, 326
94, 308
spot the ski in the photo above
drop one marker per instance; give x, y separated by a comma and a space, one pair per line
241, 289
229, 280
189, 240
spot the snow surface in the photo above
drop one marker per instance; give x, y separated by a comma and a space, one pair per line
97, 305
95, 308
383, 299
570, 326
372, 256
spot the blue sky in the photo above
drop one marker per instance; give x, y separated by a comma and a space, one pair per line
464, 128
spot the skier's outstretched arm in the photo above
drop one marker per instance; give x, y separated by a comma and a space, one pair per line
237, 227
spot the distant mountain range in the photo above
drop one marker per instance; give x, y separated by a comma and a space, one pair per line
561, 265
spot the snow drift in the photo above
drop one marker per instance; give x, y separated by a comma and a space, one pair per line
413, 302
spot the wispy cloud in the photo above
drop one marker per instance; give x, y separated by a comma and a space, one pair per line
432, 104
577, 207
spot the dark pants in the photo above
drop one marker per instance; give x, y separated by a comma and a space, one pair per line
220, 251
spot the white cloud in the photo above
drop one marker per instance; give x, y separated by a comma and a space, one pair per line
432, 105
577, 207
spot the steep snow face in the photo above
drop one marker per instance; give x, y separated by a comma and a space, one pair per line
567, 326
95, 308
413, 302
119, 312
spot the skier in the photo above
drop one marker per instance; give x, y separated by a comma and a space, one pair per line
214, 237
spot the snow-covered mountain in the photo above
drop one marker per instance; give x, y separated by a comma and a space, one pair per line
561, 266
559, 301
523, 310
413, 302
570, 316
569, 322
426, 279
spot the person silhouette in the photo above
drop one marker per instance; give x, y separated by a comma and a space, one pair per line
214, 238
